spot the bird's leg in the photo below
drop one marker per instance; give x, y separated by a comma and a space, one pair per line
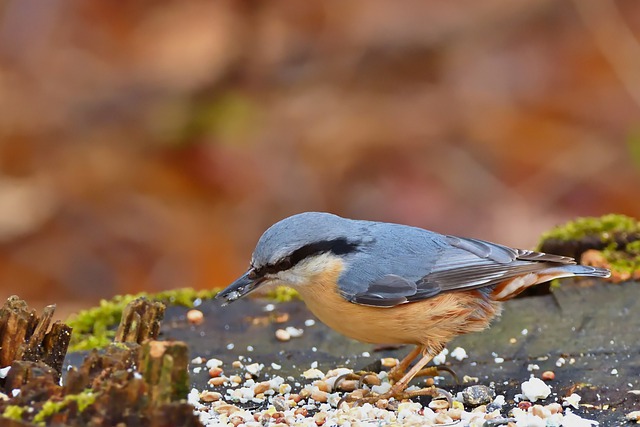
403, 382
400, 369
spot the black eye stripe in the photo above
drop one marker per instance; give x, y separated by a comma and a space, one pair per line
336, 247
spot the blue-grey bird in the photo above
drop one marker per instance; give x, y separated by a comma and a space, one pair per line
389, 283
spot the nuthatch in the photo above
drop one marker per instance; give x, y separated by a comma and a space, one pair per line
395, 284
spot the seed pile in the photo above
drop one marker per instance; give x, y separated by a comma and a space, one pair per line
244, 397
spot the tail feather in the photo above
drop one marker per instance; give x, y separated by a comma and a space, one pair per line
514, 285
585, 270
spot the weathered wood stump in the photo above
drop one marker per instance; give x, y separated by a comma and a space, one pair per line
134, 382
141, 321
25, 336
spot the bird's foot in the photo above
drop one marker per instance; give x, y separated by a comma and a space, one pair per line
361, 396
356, 380
396, 375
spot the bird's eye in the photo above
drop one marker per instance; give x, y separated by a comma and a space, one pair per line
253, 274
284, 264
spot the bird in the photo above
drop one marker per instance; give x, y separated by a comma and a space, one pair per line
387, 283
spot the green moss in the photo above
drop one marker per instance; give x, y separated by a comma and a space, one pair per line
13, 412
283, 294
624, 260
83, 400
605, 226
96, 327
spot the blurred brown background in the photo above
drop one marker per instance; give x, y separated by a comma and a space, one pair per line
146, 145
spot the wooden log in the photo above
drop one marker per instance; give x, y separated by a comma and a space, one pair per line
141, 321
164, 365
15, 324
26, 336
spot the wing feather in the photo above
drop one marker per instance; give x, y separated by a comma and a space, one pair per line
462, 264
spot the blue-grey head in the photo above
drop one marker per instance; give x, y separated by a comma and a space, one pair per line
291, 249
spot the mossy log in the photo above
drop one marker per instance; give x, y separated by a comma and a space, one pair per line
28, 337
125, 384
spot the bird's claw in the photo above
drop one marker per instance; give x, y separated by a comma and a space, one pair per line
363, 378
360, 397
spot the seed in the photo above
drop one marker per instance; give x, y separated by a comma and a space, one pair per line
320, 418
382, 403
236, 421
215, 372
280, 404
218, 381
438, 404
455, 413
236, 379
301, 411
633, 416
540, 411
348, 385
389, 362
554, 408
304, 393
295, 397
319, 396
548, 375
227, 409
210, 396
237, 364
481, 408
195, 317
281, 317
357, 394
283, 335
524, 405
322, 385
262, 387
442, 418
371, 379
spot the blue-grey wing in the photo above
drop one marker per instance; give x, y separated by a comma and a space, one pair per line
449, 264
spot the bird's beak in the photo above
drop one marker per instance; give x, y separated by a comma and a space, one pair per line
241, 287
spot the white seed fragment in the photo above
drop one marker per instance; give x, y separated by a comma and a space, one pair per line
309, 322
573, 400
441, 357
214, 363
294, 332
254, 368
282, 335
535, 389
313, 373
459, 353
